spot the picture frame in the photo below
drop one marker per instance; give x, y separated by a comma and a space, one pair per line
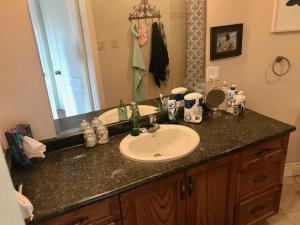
286, 16
226, 41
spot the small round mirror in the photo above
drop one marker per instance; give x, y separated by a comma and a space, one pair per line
214, 99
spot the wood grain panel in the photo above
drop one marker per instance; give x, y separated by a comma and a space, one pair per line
197, 202
213, 196
160, 203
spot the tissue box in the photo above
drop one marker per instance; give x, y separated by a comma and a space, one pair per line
15, 141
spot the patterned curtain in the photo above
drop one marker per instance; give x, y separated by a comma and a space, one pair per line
196, 35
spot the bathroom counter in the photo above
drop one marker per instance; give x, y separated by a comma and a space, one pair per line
72, 178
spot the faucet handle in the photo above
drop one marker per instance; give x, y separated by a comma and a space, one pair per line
134, 109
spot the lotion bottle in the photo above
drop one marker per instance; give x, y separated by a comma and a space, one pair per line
223, 106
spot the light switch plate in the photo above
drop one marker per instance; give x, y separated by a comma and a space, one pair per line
101, 45
213, 72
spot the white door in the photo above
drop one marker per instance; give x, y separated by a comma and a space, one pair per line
65, 40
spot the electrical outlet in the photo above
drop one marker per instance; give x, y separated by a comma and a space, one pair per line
101, 45
213, 72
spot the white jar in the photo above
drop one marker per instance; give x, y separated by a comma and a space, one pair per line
95, 123
239, 103
102, 134
90, 137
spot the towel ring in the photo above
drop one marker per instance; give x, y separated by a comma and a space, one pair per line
278, 60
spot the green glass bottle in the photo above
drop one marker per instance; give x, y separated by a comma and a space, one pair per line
134, 120
135, 126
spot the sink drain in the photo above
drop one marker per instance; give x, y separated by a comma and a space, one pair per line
157, 155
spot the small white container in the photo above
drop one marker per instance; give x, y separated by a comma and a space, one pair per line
239, 103
90, 137
223, 106
102, 134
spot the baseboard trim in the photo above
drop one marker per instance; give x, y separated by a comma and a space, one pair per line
292, 169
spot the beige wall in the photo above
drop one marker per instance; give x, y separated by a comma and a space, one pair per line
23, 96
278, 98
112, 24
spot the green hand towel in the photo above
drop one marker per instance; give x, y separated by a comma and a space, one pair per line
138, 65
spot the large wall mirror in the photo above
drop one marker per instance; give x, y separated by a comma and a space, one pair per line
90, 59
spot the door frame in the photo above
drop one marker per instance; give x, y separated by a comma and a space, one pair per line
46, 65
92, 53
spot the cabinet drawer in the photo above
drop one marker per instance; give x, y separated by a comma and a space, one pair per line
102, 213
264, 151
259, 208
113, 223
261, 175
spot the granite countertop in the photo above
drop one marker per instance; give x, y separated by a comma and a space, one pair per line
72, 178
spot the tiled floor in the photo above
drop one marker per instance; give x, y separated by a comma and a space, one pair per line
290, 204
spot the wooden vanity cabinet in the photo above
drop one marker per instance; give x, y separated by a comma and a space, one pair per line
240, 189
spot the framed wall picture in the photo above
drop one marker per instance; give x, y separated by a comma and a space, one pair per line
226, 41
286, 16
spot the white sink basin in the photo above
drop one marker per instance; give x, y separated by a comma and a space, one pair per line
111, 116
168, 143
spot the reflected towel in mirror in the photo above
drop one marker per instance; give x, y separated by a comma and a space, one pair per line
159, 56
138, 65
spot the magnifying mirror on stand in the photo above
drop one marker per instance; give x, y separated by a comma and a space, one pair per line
214, 99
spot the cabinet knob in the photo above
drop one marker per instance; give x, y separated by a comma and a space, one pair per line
264, 151
191, 186
256, 209
260, 178
182, 190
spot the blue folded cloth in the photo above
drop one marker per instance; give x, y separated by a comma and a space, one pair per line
15, 141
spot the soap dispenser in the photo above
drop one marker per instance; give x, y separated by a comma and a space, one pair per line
122, 111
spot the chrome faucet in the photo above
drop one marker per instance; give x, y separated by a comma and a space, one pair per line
134, 109
154, 126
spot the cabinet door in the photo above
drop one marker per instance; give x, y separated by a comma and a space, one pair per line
160, 203
211, 193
